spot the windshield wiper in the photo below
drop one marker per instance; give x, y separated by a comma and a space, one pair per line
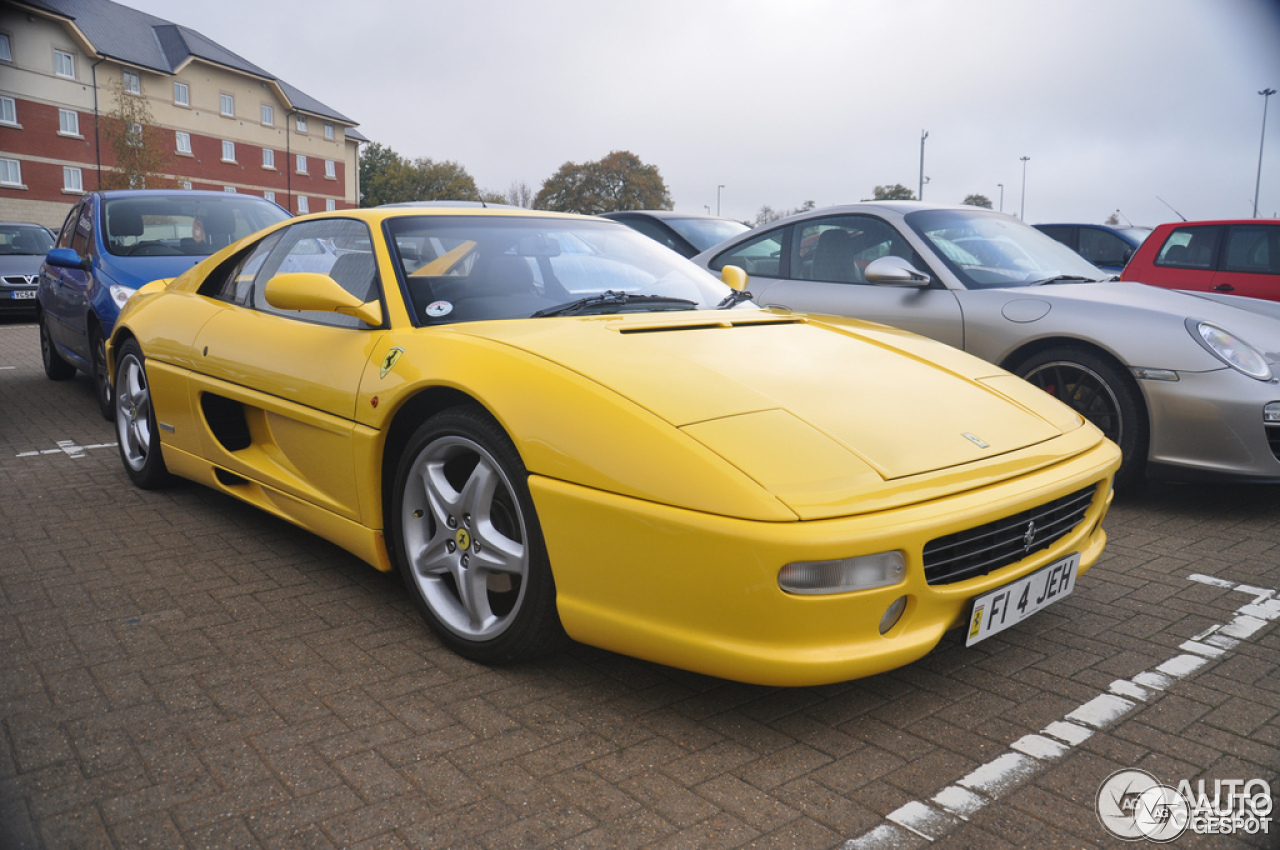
611, 298
1064, 278
734, 298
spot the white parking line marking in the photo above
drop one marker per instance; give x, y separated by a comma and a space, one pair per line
69, 448
917, 824
7, 368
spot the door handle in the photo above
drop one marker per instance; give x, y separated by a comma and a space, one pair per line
1224, 287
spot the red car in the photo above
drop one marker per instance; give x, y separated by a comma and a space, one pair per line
1240, 257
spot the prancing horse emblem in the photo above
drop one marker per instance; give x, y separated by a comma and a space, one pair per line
975, 440
389, 361
1029, 536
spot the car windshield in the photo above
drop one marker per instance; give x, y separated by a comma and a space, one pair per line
178, 224
472, 268
702, 233
990, 249
24, 239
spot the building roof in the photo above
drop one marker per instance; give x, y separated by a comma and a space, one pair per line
146, 41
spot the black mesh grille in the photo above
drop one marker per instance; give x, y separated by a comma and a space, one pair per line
1006, 541
1273, 439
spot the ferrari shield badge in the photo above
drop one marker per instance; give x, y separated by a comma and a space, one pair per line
389, 361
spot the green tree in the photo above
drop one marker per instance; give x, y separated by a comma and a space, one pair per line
768, 213
977, 201
1113, 220
386, 177
620, 181
896, 192
139, 149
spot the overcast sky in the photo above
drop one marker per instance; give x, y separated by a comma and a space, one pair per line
1118, 103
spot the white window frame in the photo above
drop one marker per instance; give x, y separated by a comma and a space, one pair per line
300, 163
329, 205
228, 150
227, 105
181, 94
72, 179
268, 158
6, 49
182, 142
8, 111
270, 195
69, 123
328, 130
330, 169
63, 58
184, 183
268, 115
230, 190
304, 206
300, 125
10, 172
132, 82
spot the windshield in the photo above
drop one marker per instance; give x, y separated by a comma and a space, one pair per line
178, 224
472, 268
702, 233
990, 249
25, 239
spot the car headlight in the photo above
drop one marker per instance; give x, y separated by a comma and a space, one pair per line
120, 294
843, 575
1230, 349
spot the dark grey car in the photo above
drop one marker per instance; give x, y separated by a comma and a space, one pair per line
23, 245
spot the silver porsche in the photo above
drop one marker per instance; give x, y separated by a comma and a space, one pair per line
1188, 385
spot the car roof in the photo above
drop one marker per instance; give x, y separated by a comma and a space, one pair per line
662, 214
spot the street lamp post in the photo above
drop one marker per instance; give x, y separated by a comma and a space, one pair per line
923, 135
1001, 185
1257, 186
718, 188
1022, 213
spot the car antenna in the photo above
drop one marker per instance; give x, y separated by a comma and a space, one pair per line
1125, 217
1170, 206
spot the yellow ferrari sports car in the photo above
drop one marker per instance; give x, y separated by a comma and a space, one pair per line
552, 425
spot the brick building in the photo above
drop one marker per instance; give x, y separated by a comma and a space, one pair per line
228, 125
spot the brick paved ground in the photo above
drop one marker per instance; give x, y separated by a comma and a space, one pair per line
180, 670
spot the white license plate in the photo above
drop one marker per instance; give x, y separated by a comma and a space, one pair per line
1009, 605
23, 293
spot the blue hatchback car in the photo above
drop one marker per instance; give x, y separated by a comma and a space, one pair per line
1108, 248
114, 242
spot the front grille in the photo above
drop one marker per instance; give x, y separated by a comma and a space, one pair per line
989, 547
1273, 439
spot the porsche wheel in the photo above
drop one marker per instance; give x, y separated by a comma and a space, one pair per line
101, 377
466, 539
1101, 392
55, 368
136, 421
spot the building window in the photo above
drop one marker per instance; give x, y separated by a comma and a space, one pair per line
6, 55
182, 94
301, 124
8, 110
185, 184
132, 83
328, 131
68, 122
268, 115
231, 190
268, 158
329, 205
10, 172
228, 151
184, 142
72, 181
330, 169
269, 195
134, 135
302, 164
64, 64
303, 206
228, 105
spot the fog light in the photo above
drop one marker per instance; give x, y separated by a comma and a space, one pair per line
844, 574
1271, 413
892, 614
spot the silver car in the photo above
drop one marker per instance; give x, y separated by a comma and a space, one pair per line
1188, 385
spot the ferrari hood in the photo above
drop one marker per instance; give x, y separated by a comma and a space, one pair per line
801, 407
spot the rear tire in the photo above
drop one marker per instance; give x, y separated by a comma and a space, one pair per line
55, 368
1100, 391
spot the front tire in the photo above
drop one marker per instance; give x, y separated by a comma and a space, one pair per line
55, 368
466, 539
136, 421
1100, 391
101, 376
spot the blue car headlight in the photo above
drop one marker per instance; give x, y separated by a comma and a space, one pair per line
120, 294
1230, 349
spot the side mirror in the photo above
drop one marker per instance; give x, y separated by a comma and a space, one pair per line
895, 271
734, 277
66, 258
319, 292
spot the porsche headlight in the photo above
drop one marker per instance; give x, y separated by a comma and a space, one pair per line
843, 575
1230, 349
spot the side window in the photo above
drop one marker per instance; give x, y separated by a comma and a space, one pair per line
1102, 248
838, 249
1253, 249
82, 237
339, 248
1190, 248
235, 281
68, 231
651, 229
759, 257
1064, 233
